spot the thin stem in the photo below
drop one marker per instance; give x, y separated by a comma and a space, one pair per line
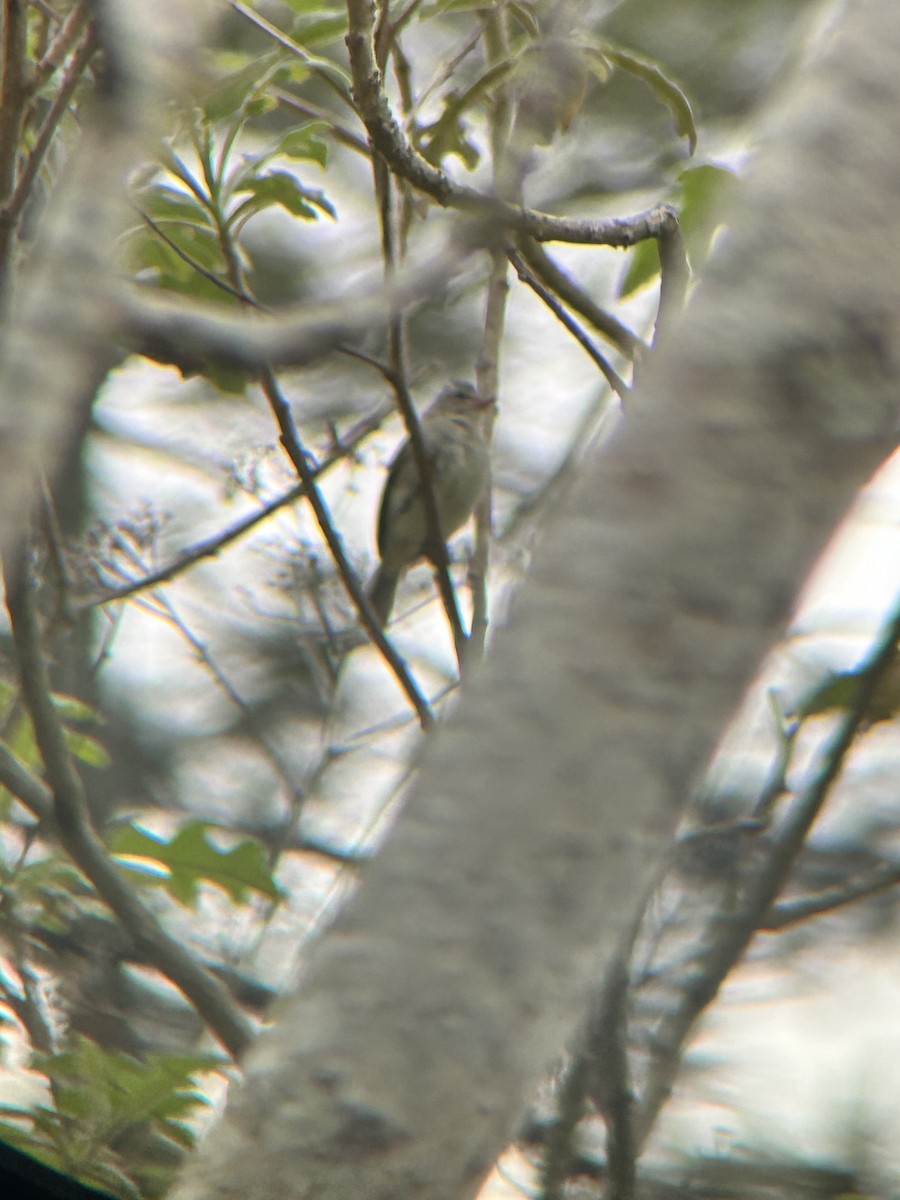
574, 297
612, 377
496, 38
734, 930
328, 72
212, 546
44, 139
58, 50
14, 93
389, 139
674, 276
295, 452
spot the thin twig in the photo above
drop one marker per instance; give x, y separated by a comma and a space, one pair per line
84, 51
612, 377
674, 276
209, 276
389, 140
14, 92
65, 608
212, 546
340, 132
58, 50
321, 67
296, 453
163, 608
574, 297
732, 932
487, 366
391, 234
801, 908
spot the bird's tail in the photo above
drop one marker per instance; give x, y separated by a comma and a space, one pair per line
381, 593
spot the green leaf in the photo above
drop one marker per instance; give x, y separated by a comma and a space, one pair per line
45, 879
149, 257
229, 380
86, 749
643, 268
448, 134
70, 708
304, 6
101, 1099
527, 17
705, 193
190, 858
667, 91
229, 95
320, 30
700, 195
303, 143
280, 188
839, 691
163, 203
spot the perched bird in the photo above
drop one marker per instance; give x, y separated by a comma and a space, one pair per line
455, 443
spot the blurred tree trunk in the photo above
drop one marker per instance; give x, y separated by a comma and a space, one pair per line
430, 1010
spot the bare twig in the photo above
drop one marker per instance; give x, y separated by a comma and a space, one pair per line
487, 367
83, 53
162, 607
350, 579
58, 50
612, 377
801, 908
65, 609
212, 546
674, 275
328, 72
191, 336
392, 230
765, 877
209, 276
389, 140
14, 92
575, 298
315, 112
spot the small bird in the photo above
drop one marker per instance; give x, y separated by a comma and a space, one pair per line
455, 443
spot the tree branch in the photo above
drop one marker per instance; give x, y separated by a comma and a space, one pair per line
64, 800
350, 579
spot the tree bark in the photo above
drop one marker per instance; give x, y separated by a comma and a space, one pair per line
58, 338
429, 1011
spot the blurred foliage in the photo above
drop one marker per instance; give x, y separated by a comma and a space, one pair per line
115, 1123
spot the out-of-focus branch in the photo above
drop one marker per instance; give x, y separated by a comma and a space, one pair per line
61, 322
721, 946
12, 210
64, 801
191, 336
14, 93
802, 908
